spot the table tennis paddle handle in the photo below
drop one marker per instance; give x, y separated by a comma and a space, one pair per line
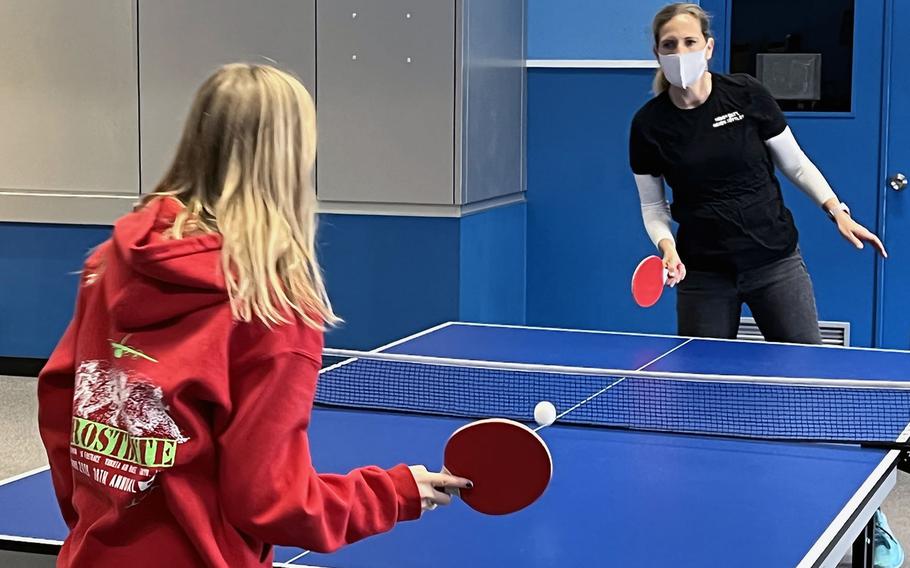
453, 491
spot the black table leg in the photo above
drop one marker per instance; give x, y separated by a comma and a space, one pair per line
864, 547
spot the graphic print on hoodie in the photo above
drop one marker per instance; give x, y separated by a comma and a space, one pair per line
123, 435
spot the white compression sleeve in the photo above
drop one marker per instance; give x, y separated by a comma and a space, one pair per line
798, 168
655, 210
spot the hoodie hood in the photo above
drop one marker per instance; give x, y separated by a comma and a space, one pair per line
155, 279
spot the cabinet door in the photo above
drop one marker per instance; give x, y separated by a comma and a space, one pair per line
182, 41
68, 105
386, 101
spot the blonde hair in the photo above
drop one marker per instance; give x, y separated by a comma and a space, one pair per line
666, 14
243, 169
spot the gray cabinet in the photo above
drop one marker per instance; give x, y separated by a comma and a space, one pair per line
68, 104
420, 102
386, 101
182, 41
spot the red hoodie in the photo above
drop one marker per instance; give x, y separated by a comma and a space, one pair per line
177, 436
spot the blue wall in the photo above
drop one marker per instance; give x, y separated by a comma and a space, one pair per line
493, 265
388, 276
590, 29
39, 268
585, 235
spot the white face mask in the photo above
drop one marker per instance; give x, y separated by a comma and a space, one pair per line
684, 69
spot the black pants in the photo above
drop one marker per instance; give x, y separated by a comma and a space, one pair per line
780, 295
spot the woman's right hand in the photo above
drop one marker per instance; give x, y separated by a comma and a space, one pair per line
676, 270
436, 488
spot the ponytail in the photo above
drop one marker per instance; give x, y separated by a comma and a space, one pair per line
660, 83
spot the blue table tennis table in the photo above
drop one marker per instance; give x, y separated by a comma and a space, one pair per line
617, 498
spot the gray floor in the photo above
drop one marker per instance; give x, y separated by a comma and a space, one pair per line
21, 450
20, 446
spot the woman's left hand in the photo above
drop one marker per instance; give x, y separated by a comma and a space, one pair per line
856, 233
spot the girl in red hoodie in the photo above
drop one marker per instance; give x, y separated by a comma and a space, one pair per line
175, 408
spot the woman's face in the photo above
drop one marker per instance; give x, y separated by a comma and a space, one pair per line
683, 34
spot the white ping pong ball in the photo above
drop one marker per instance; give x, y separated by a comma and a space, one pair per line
545, 413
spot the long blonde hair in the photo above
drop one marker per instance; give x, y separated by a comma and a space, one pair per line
244, 169
666, 14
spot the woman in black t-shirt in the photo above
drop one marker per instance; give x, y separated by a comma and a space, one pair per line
716, 139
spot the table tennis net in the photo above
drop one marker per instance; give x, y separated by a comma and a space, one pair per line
824, 411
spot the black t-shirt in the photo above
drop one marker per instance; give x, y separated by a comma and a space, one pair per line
726, 197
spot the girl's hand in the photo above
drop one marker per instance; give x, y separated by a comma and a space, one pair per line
436, 488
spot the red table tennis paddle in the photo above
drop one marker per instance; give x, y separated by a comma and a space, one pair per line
648, 281
508, 463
